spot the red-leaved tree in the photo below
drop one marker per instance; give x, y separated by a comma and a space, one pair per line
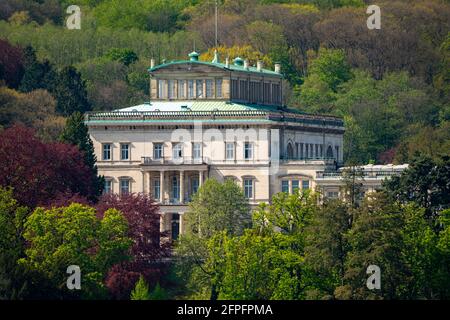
147, 253
40, 172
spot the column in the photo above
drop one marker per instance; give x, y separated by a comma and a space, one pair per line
181, 223
161, 186
181, 186
200, 178
144, 181
290, 186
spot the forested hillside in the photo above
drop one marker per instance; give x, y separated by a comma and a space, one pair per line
391, 85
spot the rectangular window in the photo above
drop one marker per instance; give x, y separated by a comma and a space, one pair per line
317, 151
243, 90
248, 188
124, 186
337, 152
285, 186
190, 89
162, 89
157, 151
276, 93
234, 89
171, 89
124, 151
156, 189
305, 184
106, 153
301, 151
229, 149
197, 150
248, 151
175, 188
218, 88
311, 150
267, 94
332, 194
199, 88
209, 88
194, 185
178, 151
181, 89
295, 185
306, 150
321, 151
108, 187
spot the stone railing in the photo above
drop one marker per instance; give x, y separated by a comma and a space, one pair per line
173, 161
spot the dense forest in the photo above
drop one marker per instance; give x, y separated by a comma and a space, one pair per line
391, 85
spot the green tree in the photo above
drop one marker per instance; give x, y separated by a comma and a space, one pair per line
76, 133
331, 67
327, 247
158, 293
140, 291
12, 282
216, 207
123, 55
74, 235
425, 182
69, 89
37, 75
375, 239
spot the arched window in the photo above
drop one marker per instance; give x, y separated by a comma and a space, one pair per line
290, 151
329, 152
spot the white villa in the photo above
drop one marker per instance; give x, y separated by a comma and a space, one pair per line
223, 121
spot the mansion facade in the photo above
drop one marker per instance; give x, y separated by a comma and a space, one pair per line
223, 121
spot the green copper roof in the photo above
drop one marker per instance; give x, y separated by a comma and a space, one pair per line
197, 105
231, 66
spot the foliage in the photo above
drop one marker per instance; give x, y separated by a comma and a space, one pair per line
50, 168
76, 133
425, 182
142, 216
11, 68
140, 291
73, 235
216, 207
125, 56
12, 284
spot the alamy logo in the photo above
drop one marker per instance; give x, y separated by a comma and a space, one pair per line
374, 280
374, 21
73, 21
74, 280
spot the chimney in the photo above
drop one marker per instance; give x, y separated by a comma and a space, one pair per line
259, 65
152, 63
277, 68
227, 62
246, 64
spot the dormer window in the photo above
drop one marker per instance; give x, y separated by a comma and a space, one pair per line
162, 94
218, 88
181, 89
190, 89
199, 89
171, 89
209, 88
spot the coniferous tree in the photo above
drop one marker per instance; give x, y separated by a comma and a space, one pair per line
37, 75
76, 133
69, 89
140, 292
